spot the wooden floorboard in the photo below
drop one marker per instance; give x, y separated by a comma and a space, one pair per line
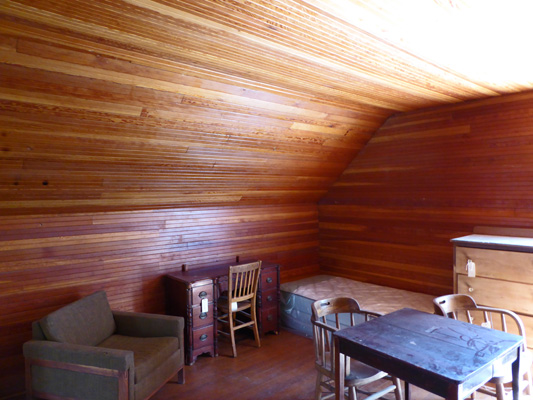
282, 369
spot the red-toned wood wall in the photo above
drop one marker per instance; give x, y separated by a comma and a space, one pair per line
48, 261
136, 136
423, 179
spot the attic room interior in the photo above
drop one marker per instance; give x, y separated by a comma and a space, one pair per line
352, 139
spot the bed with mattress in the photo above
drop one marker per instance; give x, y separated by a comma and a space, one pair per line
297, 297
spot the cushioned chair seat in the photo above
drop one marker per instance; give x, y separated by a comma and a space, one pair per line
148, 353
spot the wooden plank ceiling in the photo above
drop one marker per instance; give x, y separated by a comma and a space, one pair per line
129, 104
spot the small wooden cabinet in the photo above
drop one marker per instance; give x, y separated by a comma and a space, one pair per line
501, 275
185, 291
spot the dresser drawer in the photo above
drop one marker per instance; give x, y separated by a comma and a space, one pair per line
203, 337
269, 298
496, 264
200, 318
269, 279
500, 294
269, 319
202, 292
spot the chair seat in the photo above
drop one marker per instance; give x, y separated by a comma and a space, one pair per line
148, 352
223, 305
359, 374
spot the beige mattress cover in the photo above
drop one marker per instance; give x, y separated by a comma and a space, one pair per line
372, 297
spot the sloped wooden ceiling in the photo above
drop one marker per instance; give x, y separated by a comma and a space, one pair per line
126, 104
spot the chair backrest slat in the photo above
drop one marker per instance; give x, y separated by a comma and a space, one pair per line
243, 280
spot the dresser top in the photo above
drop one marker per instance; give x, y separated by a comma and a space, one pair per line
524, 244
210, 272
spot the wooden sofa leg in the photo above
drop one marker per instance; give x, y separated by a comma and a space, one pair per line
181, 376
29, 391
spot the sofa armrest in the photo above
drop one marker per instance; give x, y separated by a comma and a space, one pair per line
149, 325
120, 360
61, 370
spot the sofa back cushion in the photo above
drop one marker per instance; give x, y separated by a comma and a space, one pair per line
88, 321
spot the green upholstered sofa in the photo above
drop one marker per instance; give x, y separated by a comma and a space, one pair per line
87, 351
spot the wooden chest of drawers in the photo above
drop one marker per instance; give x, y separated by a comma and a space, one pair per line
501, 274
185, 291
268, 299
185, 299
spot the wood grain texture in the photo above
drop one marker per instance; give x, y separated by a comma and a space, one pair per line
51, 260
425, 178
149, 104
136, 135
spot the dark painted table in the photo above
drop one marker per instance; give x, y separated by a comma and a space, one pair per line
441, 355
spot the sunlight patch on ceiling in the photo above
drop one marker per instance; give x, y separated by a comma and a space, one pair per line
488, 41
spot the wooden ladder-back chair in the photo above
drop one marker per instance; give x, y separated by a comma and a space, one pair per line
328, 316
241, 295
463, 307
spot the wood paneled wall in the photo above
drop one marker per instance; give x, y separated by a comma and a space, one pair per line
121, 105
48, 261
138, 135
424, 178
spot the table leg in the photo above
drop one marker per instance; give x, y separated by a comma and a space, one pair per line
516, 375
339, 372
407, 394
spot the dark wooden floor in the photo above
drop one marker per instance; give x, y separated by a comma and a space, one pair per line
282, 369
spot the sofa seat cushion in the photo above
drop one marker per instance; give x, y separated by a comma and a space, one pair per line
148, 352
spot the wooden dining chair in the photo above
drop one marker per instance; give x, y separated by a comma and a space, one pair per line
328, 316
463, 307
240, 297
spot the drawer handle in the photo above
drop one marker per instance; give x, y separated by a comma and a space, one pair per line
269, 298
203, 315
269, 280
202, 294
270, 318
203, 338
470, 289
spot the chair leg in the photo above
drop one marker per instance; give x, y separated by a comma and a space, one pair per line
398, 391
232, 333
529, 389
352, 394
318, 386
255, 327
500, 391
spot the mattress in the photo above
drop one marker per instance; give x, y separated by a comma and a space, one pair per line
297, 297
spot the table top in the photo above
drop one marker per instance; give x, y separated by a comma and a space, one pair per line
453, 350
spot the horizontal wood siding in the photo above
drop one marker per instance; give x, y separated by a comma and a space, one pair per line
423, 179
49, 261
143, 104
123, 105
